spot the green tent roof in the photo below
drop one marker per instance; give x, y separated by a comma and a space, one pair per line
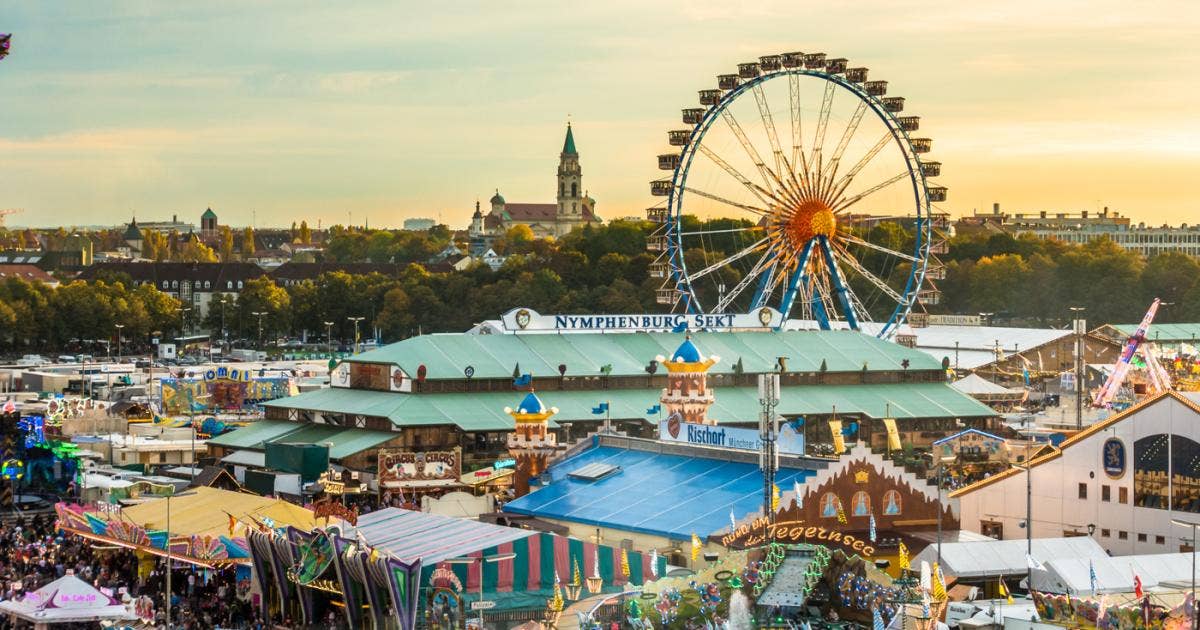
569, 143
345, 441
484, 411
445, 356
253, 435
1171, 333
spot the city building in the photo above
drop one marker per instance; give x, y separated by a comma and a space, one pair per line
1121, 481
419, 224
573, 208
194, 284
1085, 226
28, 273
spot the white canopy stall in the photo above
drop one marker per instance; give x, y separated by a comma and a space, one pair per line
65, 600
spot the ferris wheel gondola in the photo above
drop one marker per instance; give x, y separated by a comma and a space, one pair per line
830, 222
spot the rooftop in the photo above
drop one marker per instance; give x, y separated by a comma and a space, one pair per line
409, 535
994, 558
344, 441
647, 493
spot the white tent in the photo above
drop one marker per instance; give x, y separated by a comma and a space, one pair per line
980, 388
65, 600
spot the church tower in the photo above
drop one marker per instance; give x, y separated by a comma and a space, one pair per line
531, 443
570, 186
687, 394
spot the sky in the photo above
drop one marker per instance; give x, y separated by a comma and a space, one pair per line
336, 112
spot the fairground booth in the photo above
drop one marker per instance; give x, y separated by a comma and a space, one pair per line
425, 569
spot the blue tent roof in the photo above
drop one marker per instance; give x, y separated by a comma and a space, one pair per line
649, 493
687, 352
531, 404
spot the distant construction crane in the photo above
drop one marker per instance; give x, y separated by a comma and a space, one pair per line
5, 212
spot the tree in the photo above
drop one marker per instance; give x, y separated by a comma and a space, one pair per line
1169, 276
192, 250
262, 295
225, 240
305, 234
395, 317
248, 246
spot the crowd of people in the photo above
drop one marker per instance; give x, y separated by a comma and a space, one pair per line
33, 553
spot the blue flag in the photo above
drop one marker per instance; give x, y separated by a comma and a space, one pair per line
601, 408
877, 620
680, 327
653, 410
1092, 574
872, 528
523, 380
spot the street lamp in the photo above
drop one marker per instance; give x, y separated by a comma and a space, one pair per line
329, 338
986, 317
500, 557
119, 327
941, 465
259, 315
1183, 523
355, 320
1028, 517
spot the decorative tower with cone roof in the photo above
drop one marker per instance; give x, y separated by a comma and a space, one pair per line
687, 395
531, 443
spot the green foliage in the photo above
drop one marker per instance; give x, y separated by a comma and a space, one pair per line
33, 315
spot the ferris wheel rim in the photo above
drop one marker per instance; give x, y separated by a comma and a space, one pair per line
899, 136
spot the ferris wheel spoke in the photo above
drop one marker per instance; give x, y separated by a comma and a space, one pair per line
814, 165
839, 284
879, 248
728, 231
764, 112
763, 195
840, 187
842, 204
797, 126
721, 264
751, 152
745, 282
830, 172
707, 195
853, 264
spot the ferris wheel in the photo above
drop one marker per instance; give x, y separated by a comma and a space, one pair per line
797, 185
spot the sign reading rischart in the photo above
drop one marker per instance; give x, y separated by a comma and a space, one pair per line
789, 442
524, 319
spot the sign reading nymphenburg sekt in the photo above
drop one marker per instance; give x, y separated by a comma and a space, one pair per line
525, 319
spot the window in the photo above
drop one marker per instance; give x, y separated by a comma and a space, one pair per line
174, 284
1105, 493
1122, 495
1123, 535
1141, 538
165, 285
891, 503
207, 284
1160, 540
239, 284
1104, 533
829, 505
860, 504
1083, 491
992, 529
162, 458
229, 284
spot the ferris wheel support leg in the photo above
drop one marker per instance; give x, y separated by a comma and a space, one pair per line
789, 296
839, 284
760, 293
818, 308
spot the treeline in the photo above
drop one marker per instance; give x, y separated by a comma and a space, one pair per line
37, 318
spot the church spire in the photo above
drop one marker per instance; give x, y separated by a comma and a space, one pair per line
569, 143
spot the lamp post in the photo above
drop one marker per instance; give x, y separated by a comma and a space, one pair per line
1028, 518
355, 320
329, 338
500, 557
259, 315
1079, 326
1183, 523
119, 327
941, 465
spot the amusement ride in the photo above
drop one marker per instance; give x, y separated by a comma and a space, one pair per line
800, 185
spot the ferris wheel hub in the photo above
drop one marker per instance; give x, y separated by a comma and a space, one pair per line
795, 226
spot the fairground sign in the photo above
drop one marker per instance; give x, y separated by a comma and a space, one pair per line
529, 320
789, 442
759, 532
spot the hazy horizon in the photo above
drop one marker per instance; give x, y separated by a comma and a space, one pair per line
274, 112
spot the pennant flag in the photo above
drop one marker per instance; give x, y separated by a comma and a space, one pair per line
653, 410
654, 562
872, 524
556, 580
774, 498
1033, 563
524, 380
796, 489
1004, 591
1137, 586
732, 521
1092, 575
232, 524
601, 408
841, 514
926, 576
877, 620
1102, 608
902, 562
939, 584
696, 544
925, 604
680, 327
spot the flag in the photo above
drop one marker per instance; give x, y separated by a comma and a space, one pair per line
841, 514
1092, 575
1137, 586
524, 380
654, 562
1102, 608
601, 408
696, 544
1004, 591
796, 489
653, 410
925, 604
926, 576
939, 584
10, 406
774, 498
1033, 564
680, 327
732, 521
872, 530
877, 620
902, 562
232, 524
